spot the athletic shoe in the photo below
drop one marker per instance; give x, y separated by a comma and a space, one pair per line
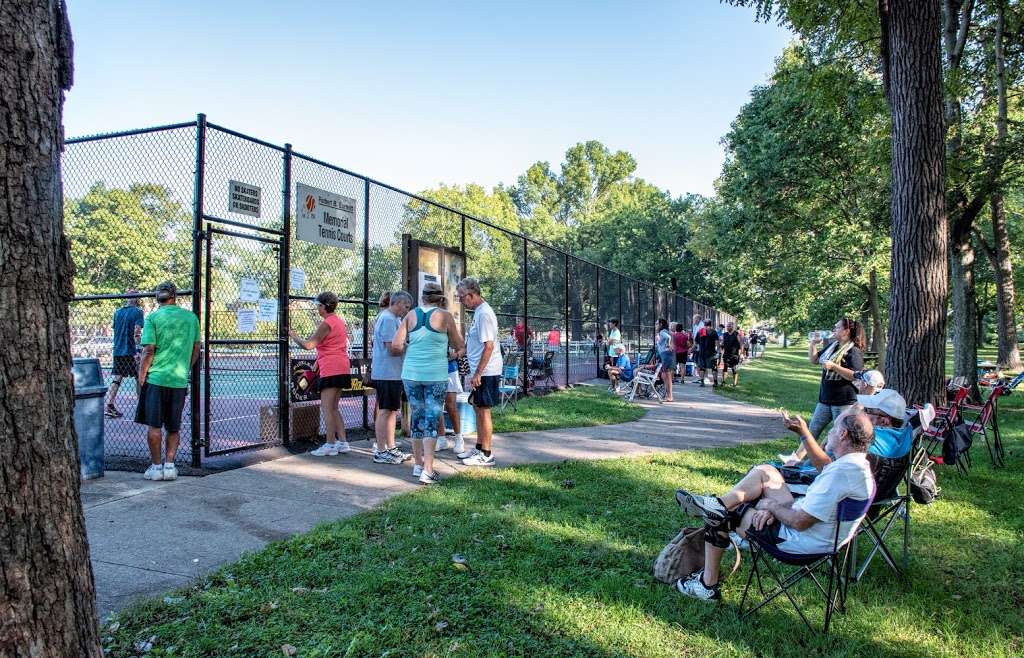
112, 412
326, 450
466, 454
385, 457
694, 587
417, 470
154, 472
478, 458
441, 444
460, 445
429, 478
707, 507
342, 446
402, 456
170, 472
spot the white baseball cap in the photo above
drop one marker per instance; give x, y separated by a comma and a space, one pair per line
887, 401
872, 378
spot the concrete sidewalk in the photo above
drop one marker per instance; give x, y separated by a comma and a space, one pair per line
149, 537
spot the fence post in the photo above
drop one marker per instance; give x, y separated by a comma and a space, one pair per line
597, 317
565, 325
366, 293
197, 246
284, 288
526, 327
462, 234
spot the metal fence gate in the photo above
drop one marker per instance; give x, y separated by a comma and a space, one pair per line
143, 206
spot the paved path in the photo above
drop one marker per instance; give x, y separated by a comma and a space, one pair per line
148, 537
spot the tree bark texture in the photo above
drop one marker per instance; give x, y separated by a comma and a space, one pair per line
915, 352
964, 318
1006, 295
875, 312
47, 600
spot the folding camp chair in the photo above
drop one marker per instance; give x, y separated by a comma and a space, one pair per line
985, 423
542, 370
645, 383
834, 562
509, 387
890, 506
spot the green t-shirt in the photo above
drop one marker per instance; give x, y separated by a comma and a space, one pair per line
173, 331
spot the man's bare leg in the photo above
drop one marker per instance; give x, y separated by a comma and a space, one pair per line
172, 446
155, 439
484, 429
761, 481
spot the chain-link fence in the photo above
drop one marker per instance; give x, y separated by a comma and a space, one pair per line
214, 211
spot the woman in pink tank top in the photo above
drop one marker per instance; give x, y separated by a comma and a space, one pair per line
330, 340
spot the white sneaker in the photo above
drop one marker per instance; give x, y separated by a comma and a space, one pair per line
441, 444
397, 452
326, 450
478, 459
342, 446
154, 472
694, 587
429, 478
465, 454
459, 446
170, 472
417, 470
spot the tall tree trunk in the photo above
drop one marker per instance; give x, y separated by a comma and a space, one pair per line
875, 311
1002, 263
965, 316
47, 599
1006, 296
915, 357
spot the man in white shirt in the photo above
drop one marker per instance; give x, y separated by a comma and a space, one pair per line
762, 505
485, 365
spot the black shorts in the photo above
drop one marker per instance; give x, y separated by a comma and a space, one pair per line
124, 366
710, 362
335, 381
680, 358
731, 360
486, 394
389, 393
161, 406
768, 534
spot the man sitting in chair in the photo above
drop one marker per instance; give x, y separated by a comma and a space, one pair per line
762, 506
621, 369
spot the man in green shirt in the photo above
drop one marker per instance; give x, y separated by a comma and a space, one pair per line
170, 339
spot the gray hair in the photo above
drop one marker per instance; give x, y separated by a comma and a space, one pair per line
469, 284
402, 297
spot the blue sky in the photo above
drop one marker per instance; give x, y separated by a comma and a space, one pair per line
419, 93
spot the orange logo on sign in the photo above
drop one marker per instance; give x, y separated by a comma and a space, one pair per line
310, 203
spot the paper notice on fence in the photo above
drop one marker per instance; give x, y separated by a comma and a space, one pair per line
248, 290
298, 278
245, 320
268, 310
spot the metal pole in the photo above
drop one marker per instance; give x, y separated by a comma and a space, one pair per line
366, 293
526, 329
462, 233
565, 325
597, 318
284, 286
197, 245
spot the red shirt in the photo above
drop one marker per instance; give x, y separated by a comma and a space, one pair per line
681, 340
332, 352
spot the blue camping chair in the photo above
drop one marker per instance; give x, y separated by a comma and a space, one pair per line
834, 563
509, 387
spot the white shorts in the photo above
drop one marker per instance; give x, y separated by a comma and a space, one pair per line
454, 382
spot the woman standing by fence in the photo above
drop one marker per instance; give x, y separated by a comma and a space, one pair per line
330, 340
425, 335
667, 354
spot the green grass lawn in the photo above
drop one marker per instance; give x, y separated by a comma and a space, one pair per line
582, 406
557, 562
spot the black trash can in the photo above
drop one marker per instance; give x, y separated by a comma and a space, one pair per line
89, 397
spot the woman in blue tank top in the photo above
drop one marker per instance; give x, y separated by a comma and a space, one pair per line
425, 335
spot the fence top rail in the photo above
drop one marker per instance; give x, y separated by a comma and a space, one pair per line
368, 180
128, 133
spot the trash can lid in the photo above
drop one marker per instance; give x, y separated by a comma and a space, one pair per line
90, 392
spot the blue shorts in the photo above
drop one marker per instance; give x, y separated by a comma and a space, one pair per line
486, 394
426, 399
668, 360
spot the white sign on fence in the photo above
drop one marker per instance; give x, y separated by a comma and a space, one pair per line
324, 217
243, 198
245, 319
248, 289
268, 310
298, 278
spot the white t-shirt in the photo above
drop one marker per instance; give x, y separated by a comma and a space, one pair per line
485, 328
847, 477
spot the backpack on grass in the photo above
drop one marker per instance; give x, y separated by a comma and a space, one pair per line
684, 555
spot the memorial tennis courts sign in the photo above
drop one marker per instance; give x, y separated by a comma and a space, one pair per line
324, 217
